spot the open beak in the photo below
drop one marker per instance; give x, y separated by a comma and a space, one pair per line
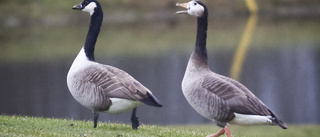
184, 5
77, 7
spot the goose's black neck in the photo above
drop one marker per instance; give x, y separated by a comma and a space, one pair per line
94, 29
200, 47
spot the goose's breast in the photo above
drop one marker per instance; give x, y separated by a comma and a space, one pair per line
87, 94
196, 96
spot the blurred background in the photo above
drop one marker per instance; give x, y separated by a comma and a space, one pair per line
271, 46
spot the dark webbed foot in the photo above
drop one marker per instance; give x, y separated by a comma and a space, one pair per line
95, 119
134, 119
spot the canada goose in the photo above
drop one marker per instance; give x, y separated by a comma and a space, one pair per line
103, 88
216, 97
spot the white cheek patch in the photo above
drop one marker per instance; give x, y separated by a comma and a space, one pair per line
90, 8
196, 10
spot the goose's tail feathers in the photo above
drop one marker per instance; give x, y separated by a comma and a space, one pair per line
277, 121
151, 100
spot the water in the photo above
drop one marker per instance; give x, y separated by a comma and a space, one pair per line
279, 63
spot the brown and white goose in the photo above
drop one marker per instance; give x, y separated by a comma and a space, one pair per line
103, 88
216, 97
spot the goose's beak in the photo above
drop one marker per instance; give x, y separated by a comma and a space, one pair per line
77, 7
184, 5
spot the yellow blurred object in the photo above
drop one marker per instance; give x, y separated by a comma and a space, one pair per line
252, 6
242, 48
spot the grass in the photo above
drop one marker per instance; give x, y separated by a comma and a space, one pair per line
32, 126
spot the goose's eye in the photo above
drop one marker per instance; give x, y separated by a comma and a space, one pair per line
195, 4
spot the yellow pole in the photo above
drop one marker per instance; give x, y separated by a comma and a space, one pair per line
241, 52
252, 6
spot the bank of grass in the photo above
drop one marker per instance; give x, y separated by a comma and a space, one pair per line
45, 43
31, 126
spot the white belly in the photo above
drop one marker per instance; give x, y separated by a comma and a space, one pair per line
121, 105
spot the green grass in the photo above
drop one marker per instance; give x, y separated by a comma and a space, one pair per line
32, 126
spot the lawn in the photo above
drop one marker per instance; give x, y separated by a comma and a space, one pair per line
32, 126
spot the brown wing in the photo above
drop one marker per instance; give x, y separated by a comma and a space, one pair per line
115, 83
236, 96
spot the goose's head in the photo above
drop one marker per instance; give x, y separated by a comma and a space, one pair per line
87, 5
194, 8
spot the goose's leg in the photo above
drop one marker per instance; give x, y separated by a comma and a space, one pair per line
227, 130
219, 133
95, 118
134, 119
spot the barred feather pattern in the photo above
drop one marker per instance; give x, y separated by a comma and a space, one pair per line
93, 86
237, 96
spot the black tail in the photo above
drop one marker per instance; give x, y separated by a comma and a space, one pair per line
151, 100
277, 121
